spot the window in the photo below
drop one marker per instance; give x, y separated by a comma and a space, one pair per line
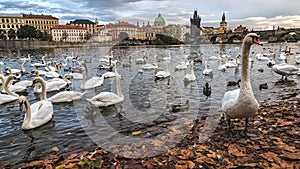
3, 26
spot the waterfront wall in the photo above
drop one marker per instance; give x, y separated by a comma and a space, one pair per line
36, 44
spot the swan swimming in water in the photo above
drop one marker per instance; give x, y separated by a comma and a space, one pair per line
241, 103
105, 99
10, 96
38, 113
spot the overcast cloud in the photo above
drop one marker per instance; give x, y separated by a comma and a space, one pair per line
256, 14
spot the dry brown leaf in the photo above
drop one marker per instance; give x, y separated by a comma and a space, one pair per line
190, 164
235, 150
55, 149
270, 156
181, 165
277, 140
185, 154
292, 156
212, 154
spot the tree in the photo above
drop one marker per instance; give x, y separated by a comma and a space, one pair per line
2, 34
27, 32
123, 36
43, 35
12, 34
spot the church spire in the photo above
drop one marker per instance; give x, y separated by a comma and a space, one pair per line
223, 17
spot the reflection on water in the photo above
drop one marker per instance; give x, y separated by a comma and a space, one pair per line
147, 102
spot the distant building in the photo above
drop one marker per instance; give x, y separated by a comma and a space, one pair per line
102, 35
89, 25
69, 33
195, 25
177, 31
159, 23
241, 29
44, 23
223, 24
10, 21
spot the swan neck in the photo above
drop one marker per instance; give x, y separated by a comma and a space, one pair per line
118, 85
83, 77
6, 86
22, 66
245, 80
44, 94
28, 112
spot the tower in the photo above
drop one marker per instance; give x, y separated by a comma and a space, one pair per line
195, 24
223, 24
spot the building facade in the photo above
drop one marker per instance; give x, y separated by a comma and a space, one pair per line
159, 24
69, 33
177, 31
10, 21
223, 24
90, 26
44, 23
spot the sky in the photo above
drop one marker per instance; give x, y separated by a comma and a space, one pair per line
254, 14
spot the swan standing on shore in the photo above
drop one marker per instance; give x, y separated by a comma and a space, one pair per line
241, 103
285, 70
38, 113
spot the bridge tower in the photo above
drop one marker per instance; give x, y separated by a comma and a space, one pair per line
195, 25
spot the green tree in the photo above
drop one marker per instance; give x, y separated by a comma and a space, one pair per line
12, 34
27, 32
123, 36
2, 34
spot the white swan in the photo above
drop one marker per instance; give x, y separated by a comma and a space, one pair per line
183, 65
141, 60
49, 68
168, 58
241, 103
10, 96
190, 77
92, 82
52, 74
285, 69
15, 88
104, 99
76, 75
38, 113
221, 67
282, 56
163, 74
207, 71
261, 57
66, 96
297, 59
149, 66
39, 64
27, 59
232, 63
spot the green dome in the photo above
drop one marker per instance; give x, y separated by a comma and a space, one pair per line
159, 19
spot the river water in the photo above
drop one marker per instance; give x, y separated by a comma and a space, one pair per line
146, 111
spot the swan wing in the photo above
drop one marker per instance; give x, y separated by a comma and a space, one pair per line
4, 98
26, 83
66, 96
105, 99
55, 85
94, 82
230, 99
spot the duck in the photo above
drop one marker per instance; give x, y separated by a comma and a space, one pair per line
234, 83
39, 64
149, 66
263, 86
92, 82
104, 99
39, 113
241, 103
10, 96
179, 106
190, 77
285, 70
207, 89
207, 71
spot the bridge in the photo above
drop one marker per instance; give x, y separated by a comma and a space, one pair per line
278, 35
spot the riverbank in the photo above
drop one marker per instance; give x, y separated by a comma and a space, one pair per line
276, 144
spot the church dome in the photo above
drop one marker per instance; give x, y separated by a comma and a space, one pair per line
159, 19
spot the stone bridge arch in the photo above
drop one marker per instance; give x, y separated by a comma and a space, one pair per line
235, 39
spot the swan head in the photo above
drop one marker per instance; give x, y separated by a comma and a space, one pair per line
34, 73
37, 80
21, 100
252, 38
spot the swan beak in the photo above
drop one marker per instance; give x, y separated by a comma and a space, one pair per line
257, 41
21, 107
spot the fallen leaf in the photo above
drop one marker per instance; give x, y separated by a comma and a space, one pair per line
235, 150
55, 149
136, 133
